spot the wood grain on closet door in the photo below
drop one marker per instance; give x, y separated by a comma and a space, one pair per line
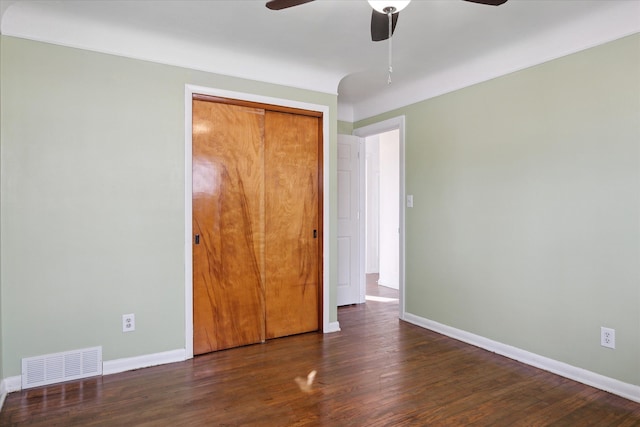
228, 220
292, 227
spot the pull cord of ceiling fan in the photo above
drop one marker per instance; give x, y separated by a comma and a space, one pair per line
389, 14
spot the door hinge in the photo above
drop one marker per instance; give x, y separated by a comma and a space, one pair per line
196, 239
315, 234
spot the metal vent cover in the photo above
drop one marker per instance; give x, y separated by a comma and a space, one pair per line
60, 367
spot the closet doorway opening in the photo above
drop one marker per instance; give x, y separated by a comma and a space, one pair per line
324, 320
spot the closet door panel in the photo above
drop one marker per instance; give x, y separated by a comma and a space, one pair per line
228, 220
291, 223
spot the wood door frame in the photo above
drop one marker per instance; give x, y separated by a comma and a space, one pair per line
190, 91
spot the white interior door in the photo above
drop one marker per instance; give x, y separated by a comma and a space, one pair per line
350, 278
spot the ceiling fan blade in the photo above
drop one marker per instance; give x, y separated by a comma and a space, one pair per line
380, 25
489, 2
284, 4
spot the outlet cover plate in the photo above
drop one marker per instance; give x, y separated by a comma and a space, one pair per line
128, 322
607, 337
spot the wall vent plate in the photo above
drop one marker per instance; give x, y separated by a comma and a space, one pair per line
59, 367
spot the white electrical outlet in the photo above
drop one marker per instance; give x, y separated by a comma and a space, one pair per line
128, 322
607, 337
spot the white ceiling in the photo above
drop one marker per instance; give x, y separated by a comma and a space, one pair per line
325, 45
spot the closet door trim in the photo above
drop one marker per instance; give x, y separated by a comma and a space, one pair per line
250, 104
191, 90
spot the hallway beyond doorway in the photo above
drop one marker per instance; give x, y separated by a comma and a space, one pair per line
379, 293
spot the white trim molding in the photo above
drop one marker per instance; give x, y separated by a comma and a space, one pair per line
189, 91
332, 327
130, 363
9, 385
611, 385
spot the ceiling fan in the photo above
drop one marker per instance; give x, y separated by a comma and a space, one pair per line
381, 28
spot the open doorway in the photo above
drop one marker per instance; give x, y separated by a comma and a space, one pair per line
382, 240
382, 213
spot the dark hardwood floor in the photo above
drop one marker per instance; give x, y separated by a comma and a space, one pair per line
378, 371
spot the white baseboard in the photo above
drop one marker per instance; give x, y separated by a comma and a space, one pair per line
390, 285
9, 385
628, 391
3, 393
144, 361
332, 327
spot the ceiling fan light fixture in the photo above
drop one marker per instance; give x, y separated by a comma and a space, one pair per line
384, 6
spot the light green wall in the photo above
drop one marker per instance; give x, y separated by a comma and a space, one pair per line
93, 199
526, 220
345, 128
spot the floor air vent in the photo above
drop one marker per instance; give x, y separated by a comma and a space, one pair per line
59, 367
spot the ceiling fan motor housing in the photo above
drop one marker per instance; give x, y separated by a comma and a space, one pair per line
388, 6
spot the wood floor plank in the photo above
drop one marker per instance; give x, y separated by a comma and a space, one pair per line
378, 371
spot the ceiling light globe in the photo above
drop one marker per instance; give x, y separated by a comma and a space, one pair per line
381, 5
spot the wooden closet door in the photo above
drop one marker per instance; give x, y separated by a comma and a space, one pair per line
292, 208
228, 217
